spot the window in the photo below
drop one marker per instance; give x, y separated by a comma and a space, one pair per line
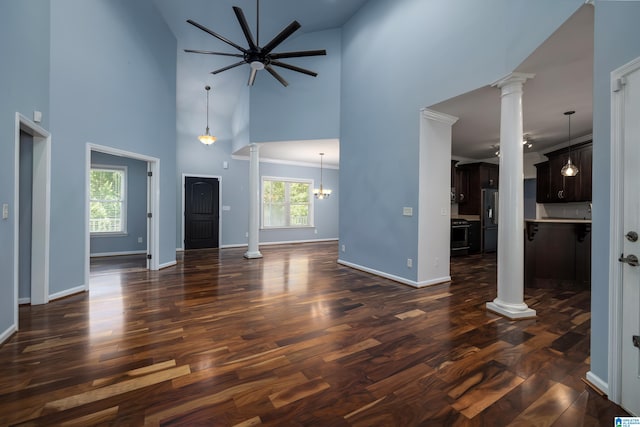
107, 195
286, 202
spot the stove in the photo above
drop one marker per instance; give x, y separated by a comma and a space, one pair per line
459, 236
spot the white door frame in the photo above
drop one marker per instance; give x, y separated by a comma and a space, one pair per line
41, 211
153, 204
199, 175
616, 229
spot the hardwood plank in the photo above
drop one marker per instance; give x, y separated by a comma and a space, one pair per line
296, 339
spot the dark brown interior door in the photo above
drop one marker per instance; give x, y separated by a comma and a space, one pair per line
201, 213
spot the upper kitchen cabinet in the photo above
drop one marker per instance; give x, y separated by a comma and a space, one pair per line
471, 179
552, 187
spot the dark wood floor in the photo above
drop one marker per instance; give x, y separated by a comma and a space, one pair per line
296, 339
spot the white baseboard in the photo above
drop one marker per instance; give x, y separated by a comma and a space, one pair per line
7, 333
105, 254
22, 301
241, 245
597, 382
284, 242
167, 264
395, 278
67, 292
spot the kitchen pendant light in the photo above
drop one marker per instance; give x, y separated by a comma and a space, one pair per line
569, 169
207, 138
321, 193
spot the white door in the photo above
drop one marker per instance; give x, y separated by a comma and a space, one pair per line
630, 393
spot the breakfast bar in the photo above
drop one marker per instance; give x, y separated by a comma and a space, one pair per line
557, 253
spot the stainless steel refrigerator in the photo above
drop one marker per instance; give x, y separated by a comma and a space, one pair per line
489, 220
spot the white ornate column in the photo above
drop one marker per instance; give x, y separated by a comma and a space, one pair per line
510, 301
254, 203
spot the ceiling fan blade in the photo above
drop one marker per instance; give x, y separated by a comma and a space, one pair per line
294, 68
298, 54
252, 76
208, 52
245, 27
275, 74
216, 35
228, 67
290, 29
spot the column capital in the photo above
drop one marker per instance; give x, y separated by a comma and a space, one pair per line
513, 78
438, 116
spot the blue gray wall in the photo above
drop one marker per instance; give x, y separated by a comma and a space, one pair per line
309, 108
136, 208
101, 72
399, 56
112, 83
616, 42
25, 215
24, 79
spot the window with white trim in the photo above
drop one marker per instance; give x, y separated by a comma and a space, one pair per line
108, 200
287, 202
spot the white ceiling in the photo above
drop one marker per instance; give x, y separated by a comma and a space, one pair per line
306, 153
563, 68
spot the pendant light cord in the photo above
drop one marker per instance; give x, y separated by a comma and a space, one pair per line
207, 88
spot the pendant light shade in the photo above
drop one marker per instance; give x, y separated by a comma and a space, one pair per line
569, 169
321, 193
207, 138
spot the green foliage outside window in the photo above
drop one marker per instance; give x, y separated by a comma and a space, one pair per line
106, 201
286, 203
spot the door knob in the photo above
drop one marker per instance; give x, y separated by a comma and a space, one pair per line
632, 260
632, 236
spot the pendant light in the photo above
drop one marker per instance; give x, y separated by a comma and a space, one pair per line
207, 138
569, 169
321, 193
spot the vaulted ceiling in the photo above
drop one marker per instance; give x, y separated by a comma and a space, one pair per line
563, 66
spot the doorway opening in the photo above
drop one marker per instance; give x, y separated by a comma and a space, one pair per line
152, 204
33, 172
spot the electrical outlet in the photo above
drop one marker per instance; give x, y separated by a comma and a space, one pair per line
5, 211
139, 239
409, 262
315, 231
343, 248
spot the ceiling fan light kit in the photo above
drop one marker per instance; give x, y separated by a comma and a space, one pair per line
257, 57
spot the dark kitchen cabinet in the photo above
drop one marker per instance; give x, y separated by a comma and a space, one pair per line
552, 187
543, 188
462, 186
474, 237
474, 177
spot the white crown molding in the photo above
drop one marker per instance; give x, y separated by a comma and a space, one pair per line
286, 162
438, 116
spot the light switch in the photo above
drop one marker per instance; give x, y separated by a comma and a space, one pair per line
5, 211
407, 211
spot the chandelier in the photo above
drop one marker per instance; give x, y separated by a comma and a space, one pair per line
321, 193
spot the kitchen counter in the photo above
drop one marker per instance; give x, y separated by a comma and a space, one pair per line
467, 217
561, 220
557, 253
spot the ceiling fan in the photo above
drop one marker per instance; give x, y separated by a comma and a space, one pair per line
257, 57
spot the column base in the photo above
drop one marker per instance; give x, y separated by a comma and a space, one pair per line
511, 311
252, 255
